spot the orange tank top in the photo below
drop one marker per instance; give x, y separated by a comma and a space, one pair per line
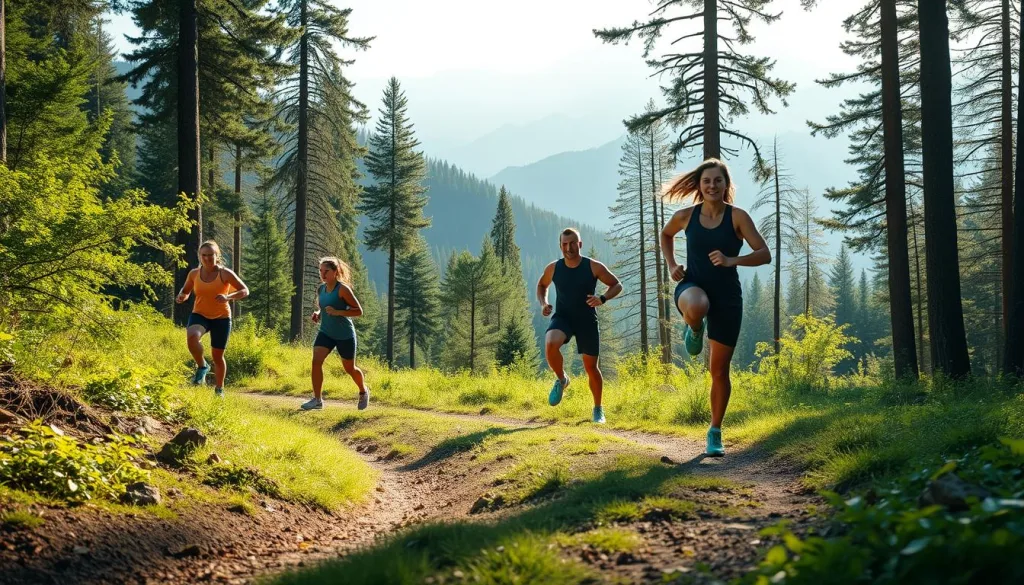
206, 293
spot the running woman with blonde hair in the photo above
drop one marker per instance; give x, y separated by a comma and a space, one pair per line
709, 286
333, 308
214, 286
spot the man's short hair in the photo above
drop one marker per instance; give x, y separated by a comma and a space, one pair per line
571, 231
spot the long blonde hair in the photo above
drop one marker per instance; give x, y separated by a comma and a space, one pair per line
217, 259
344, 270
687, 185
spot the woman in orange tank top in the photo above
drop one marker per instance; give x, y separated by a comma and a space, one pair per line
215, 286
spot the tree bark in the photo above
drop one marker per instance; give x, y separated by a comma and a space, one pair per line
942, 265
301, 182
188, 144
901, 309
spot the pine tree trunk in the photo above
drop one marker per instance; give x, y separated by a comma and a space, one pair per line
665, 278
412, 339
1013, 353
3, 83
712, 124
901, 310
777, 335
236, 240
643, 260
391, 307
301, 184
942, 265
920, 306
472, 333
662, 332
188, 144
1006, 170
807, 265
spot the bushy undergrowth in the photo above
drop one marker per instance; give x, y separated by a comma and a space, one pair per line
41, 459
893, 536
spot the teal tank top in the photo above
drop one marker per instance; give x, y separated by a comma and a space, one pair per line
337, 328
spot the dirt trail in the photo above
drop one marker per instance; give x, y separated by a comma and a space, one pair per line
209, 543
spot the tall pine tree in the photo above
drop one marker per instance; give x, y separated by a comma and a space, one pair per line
394, 203
418, 299
266, 268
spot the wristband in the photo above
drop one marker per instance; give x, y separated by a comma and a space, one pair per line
603, 300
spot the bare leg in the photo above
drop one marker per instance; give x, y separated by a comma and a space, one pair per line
220, 367
693, 305
594, 377
319, 355
721, 385
553, 342
355, 373
195, 343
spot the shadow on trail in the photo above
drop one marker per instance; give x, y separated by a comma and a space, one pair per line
460, 444
411, 556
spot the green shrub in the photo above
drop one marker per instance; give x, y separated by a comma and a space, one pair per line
888, 538
807, 354
41, 459
131, 390
250, 351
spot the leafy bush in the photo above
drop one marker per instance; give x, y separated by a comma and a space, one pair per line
807, 354
251, 349
131, 390
41, 459
889, 538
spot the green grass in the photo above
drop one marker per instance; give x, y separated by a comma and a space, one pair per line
304, 463
609, 539
20, 519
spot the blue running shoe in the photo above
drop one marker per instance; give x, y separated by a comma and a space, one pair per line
556, 391
694, 339
200, 376
219, 392
599, 415
715, 448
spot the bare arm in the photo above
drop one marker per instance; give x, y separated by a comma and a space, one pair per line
542, 289
241, 291
748, 232
604, 275
316, 305
186, 289
354, 308
676, 224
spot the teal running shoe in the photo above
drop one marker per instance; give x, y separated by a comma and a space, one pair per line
599, 415
201, 372
694, 339
219, 392
556, 391
715, 448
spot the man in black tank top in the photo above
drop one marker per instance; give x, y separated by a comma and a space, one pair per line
575, 277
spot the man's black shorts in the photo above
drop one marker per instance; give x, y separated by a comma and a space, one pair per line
585, 328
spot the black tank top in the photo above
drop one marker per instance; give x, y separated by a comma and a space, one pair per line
701, 241
572, 285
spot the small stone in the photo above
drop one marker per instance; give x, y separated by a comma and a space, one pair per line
380, 488
141, 494
458, 574
500, 549
81, 550
213, 459
667, 460
192, 550
419, 507
952, 492
175, 493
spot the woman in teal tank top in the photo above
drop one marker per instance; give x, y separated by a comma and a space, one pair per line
333, 308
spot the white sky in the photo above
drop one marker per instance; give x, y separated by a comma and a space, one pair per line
544, 54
